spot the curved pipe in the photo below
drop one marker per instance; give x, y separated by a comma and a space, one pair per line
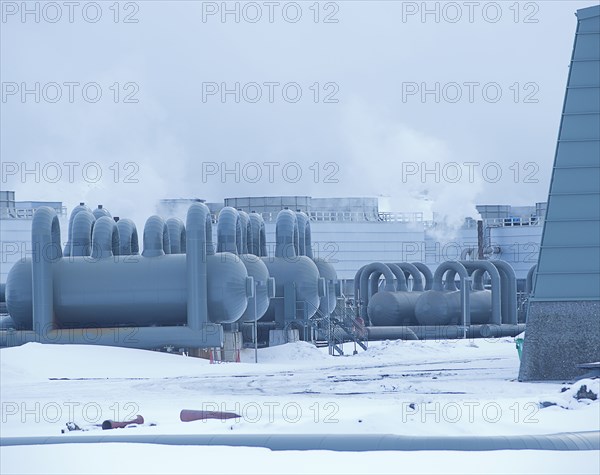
286, 234
450, 281
156, 237
361, 283
105, 238
445, 267
340, 443
496, 286
81, 233
412, 270
229, 230
74, 213
301, 219
198, 247
304, 235
101, 211
426, 271
246, 232
530, 279
257, 245
128, 238
509, 290
45, 240
401, 285
478, 279
176, 230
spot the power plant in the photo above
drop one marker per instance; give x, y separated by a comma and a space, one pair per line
271, 276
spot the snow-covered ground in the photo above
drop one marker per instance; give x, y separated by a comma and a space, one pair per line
449, 387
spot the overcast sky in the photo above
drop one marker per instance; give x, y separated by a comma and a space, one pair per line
364, 128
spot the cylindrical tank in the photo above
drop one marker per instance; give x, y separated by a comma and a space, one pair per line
257, 269
94, 293
299, 269
327, 271
393, 308
436, 307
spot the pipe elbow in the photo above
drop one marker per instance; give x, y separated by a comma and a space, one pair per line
156, 237
105, 238
286, 234
176, 230
128, 238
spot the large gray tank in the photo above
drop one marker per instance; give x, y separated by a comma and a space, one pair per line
105, 289
436, 307
119, 291
393, 308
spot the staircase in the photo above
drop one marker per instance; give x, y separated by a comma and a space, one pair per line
338, 328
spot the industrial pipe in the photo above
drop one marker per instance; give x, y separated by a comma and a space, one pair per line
400, 277
361, 284
258, 244
177, 238
156, 237
415, 273
101, 211
82, 227
286, 235
105, 238
492, 271
427, 274
565, 441
509, 290
246, 235
128, 238
229, 230
74, 213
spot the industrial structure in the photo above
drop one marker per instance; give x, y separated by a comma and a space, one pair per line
268, 270
564, 312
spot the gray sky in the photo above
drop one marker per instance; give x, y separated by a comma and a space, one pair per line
370, 131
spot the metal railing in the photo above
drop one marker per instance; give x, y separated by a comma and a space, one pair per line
26, 213
515, 221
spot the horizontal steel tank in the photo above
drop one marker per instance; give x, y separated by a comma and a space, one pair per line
444, 307
126, 290
105, 289
393, 308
